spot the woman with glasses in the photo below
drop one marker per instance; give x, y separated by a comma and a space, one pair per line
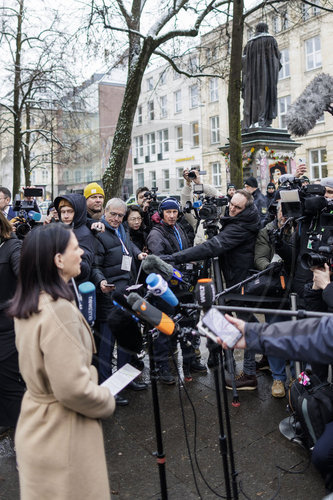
133, 222
114, 265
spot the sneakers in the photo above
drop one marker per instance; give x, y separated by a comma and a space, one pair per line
243, 382
262, 364
278, 390
165, 377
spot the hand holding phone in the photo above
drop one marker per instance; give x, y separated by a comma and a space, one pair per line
220, 326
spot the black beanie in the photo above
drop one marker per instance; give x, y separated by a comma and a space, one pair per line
252, 182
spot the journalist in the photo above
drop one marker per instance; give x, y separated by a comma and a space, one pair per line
305, 340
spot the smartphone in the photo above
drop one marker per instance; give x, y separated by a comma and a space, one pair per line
220, 326
111, 285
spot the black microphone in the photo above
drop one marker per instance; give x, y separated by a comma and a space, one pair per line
205, 293
151, 314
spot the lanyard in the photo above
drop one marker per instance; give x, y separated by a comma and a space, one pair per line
180, 243
125, 251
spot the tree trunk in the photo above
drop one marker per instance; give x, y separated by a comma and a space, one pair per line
16, 107
115, 172
234, 91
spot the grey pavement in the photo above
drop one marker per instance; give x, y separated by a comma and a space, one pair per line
194, 467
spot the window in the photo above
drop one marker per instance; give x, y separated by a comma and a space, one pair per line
178, 101
163, 140
65, 176
150, 83
195, 134
285, 70
305, 11
284, 105
77, 176
193, 65
140, 177
213, 89
45, 176
139, 114
194, 96
138, 147
151, 147
316, 10
180, 178
164, 106
152, 176
211, 54
214, 129
90, 175
276, 24
34, 176
179, 137
163, 77
313, 53
318, 163
151, 114
166, 180
217, 178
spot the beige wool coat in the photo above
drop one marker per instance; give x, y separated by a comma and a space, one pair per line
59, 440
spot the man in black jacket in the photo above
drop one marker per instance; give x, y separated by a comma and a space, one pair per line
251, 185
166, 238
235, 245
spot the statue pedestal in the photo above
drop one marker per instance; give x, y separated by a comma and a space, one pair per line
267, 154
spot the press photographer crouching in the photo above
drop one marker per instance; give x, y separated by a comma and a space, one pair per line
304, 340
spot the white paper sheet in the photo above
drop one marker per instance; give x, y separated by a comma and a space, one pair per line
121, 378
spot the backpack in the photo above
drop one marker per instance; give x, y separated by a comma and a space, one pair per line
311, 403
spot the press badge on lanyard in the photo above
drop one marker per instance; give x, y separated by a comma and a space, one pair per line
126, 262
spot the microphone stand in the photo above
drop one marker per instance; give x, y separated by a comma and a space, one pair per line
160, 455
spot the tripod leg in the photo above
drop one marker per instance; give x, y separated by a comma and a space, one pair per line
160, 455
213, 349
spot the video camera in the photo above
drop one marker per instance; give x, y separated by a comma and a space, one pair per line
152, 195
324, 255
194, 172
300, 201
27, 217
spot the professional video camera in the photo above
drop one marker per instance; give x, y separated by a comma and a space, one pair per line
206, 207
323, 255
152, 196
27, 217
300, 201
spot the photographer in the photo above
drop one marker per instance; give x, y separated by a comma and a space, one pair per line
192, 178
305, 340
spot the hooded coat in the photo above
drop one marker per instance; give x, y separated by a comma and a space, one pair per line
59, 439
234, 244
84, 236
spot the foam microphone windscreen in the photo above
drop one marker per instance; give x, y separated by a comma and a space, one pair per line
153, 264
205, 293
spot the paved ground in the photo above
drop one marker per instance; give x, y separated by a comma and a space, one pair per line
259, 448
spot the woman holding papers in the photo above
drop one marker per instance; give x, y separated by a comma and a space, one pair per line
59, 440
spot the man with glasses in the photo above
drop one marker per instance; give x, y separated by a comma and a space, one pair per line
235, 246
5, 207
114, 265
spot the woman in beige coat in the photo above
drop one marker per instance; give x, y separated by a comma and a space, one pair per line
59, 440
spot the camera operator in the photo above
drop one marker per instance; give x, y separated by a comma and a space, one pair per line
306, 340
166, 238
235, 245
264, 254
251, 185
192, 177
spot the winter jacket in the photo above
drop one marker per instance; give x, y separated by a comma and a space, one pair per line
234, 244
318, 300
107, 266
10, 251
261, 204
84, 236
308, 340
162, 239
59, 438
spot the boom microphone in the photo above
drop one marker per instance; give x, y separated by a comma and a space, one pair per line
87, 302
151, 314
160, 288
316, 98
153, 264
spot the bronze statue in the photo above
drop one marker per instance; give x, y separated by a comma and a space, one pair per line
261, 66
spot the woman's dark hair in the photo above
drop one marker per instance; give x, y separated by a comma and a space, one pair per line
5, 227
38, 271
133, 208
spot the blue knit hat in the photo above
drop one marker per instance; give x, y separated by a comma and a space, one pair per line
169, 204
